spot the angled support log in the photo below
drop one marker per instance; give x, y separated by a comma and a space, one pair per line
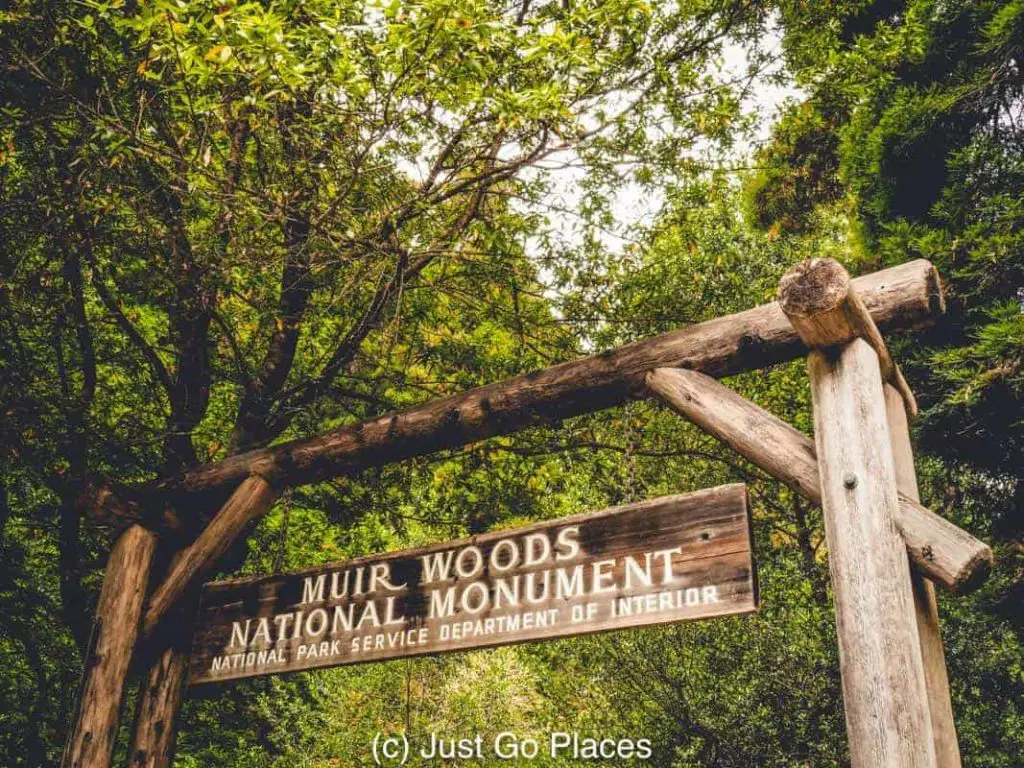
885, 695
933, 655
91, 742
937, 548
253, 497
904, 297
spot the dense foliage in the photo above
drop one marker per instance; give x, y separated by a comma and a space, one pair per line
913, 126
228, 224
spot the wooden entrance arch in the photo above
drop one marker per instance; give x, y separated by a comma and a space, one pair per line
886, 551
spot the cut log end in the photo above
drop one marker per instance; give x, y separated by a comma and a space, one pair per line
814, 287
819, 299
974, 572
825, 310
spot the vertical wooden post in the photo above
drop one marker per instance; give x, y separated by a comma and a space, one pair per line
884, 690
161, 695
162, 692
940, 706
91, 741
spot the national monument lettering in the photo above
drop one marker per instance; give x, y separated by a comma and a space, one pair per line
664, 560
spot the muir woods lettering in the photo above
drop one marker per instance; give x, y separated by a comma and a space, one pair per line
664, 560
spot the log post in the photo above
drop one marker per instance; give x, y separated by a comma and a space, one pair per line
940, 705
161, 694
253, 497
943, 552
884, 690
92, 738
883, 679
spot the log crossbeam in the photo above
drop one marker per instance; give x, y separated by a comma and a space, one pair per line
900, 298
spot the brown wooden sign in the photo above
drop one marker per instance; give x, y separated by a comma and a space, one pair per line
659, 561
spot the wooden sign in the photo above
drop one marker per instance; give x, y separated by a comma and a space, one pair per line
659, 561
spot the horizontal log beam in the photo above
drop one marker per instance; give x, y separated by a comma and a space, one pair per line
940, 550
901, 298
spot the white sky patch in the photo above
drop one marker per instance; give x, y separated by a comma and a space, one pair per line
635, 206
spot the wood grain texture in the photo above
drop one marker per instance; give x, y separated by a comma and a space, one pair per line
938, 549
92, 739
706, 537
883, 679
162, 692
821, 302
942, 551
253, 497
900, 298
933, 655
